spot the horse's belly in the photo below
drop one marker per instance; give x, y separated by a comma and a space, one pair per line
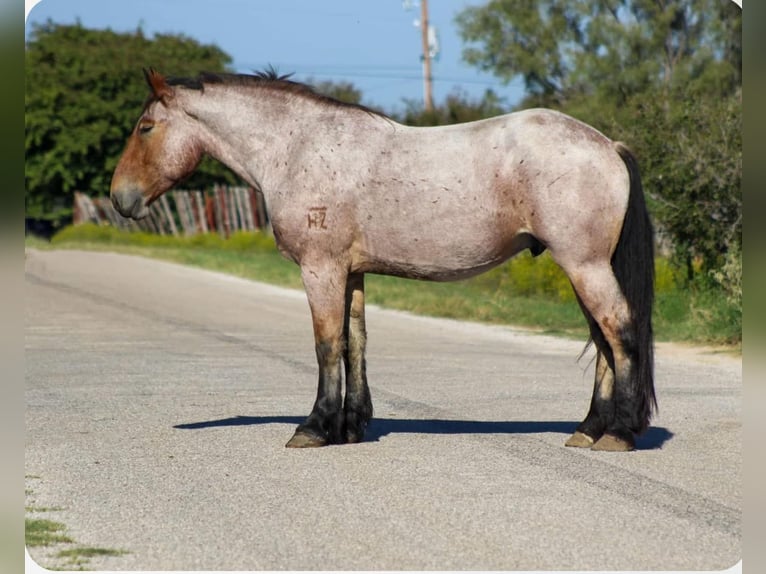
440, 225
443, 257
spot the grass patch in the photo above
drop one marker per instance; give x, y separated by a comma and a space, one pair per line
42, 532
88, 552
43, 508
473, 300
79, 557
525, 291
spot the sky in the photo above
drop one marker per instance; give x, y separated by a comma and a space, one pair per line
373, 44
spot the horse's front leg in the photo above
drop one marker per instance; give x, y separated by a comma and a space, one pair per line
358, 403
326, 291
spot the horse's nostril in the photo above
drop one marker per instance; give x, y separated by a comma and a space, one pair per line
128, 203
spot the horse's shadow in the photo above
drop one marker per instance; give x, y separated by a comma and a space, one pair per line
653, 438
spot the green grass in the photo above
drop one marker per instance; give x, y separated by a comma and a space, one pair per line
45, 533
42, 508
80, 556
525, 292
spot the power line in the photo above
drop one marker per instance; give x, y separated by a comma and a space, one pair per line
349, 71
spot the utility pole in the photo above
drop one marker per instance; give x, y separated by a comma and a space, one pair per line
428, 96
430, 47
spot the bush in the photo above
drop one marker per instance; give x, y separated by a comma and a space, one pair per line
89, 232
106, 234
729, 277
527, 275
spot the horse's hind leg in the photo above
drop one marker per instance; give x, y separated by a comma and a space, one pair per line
595, 423
358, 404
325, 286
612, 419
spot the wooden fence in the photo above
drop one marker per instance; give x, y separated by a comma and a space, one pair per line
221, 210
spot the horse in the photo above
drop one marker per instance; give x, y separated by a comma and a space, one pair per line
350, 191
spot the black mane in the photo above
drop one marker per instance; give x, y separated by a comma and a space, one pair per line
268, 78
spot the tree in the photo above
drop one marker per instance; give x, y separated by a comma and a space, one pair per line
457, 108
613, 49
692, 170
343, 91
662, 75
522, 37
84, 91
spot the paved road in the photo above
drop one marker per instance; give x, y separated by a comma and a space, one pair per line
159, 398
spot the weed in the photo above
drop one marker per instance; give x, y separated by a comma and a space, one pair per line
42, 532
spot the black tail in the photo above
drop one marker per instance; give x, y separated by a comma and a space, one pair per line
633, 265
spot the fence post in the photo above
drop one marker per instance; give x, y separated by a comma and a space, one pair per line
224, 210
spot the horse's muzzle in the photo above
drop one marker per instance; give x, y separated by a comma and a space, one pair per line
129, 203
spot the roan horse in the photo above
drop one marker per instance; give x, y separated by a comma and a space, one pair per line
350, 191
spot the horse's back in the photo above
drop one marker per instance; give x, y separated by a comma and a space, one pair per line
452, 201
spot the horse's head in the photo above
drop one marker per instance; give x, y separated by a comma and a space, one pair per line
161, 151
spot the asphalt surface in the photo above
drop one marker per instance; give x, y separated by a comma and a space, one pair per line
159, 399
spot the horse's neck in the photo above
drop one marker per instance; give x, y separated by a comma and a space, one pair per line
253, 134
233, 130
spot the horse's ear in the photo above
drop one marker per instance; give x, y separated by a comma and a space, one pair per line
159, 86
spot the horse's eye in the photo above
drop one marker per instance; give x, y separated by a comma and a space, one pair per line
144, 129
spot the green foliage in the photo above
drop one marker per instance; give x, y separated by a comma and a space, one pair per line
527, 275
84, 93
457, 108
609, 50
106, 234
539, 276
665, 77
691, 163
343, 91
729, 278
666, 276
522, 37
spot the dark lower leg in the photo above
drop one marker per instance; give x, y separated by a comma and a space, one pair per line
601, 406
325, 423
608, 314
626, 420
358, 404
619, 432
325, 289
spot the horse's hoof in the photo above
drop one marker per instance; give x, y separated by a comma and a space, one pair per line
353, 437
303, 440
580, 440
355, 433
612, 443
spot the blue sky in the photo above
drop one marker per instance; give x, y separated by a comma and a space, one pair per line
371, 43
